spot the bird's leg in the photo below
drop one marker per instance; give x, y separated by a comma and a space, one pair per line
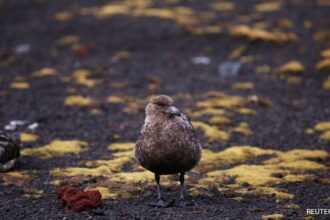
157, 178
161, 202
181, 179
182, 202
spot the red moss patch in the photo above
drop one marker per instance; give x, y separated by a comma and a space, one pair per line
75, 200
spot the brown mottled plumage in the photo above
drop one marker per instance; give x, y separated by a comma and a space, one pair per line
167, 142
9, 150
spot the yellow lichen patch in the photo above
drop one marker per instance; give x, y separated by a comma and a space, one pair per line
285, 23
223, 6
69, 39
242, 86
75, 171
302, 165
261, 25
133, 105
326, 84
95, 111
35, 193
26, 137
237, 52
247, 111
106, 192
272, 217
82, 77
325, 53
214, 94
260, 34
113, 165
65, 79
325, 181
211, 132
268, 6
309, 131
267, 191
238, 198
262, 69
121, 55
219, 120
325, 136
299, 178
323, 64
291, 206
63, 16
122, 146
259, 100
242, 128
98, 167
116, 186
134, 177
227, 101
154, 84
293, 79
293, 66
322, 126
233, 155
47, 71
323, 2
56, 148
247, 59
19, 85
115, 99
207, 111
284, 167
107, 10
118, 85
322, 36
78, 101
299, 155
254, 175
19, 178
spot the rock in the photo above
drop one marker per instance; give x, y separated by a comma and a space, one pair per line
229, 69
201, 60
33, 126
22, 48
14, 124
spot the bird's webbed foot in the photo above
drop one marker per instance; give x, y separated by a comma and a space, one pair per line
161, 203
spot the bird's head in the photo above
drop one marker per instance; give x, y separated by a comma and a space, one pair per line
162, 105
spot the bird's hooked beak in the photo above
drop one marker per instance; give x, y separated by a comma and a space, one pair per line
173, 111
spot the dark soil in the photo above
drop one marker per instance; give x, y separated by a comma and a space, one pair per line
162, 48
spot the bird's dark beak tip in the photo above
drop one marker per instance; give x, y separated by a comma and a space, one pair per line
174, 111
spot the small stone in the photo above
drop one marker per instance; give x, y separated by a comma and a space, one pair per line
201, 60
33, 126
22, 48
229, 69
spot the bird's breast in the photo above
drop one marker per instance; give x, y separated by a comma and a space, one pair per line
167, 148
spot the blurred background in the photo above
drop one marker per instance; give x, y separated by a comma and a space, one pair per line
248, 73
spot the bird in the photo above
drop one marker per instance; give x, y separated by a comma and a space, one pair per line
167, 143
9, 150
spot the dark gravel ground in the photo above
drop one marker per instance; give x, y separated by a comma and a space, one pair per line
162, 48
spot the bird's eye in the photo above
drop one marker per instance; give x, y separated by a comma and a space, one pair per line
160, 104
